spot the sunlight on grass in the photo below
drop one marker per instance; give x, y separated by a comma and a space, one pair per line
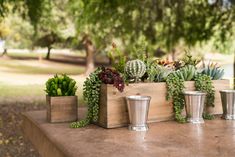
36, 67
8, 91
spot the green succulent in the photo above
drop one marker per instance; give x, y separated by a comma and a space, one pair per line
189, 60
186, 73
214, 71
118, 59
135, 69
162, 73
61, 85
91, 94
175, 88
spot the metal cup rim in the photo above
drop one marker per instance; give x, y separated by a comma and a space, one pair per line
194, 93
138, 97
227, 91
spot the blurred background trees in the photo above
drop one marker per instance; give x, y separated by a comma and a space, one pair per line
163, 26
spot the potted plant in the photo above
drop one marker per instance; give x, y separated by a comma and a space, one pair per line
60, 99
164, 81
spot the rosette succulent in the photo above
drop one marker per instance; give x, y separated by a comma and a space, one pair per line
214, 71
61, 85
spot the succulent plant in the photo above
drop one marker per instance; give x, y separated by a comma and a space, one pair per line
110, 76
214, 71
61, 85
189, 60
186, 73
135, 69
162, 73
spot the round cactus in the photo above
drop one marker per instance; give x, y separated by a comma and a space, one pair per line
135, 69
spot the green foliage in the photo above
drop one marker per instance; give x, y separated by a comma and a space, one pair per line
152, 71
91, 94
157, 73
4, 31
36, 9
204, 83
162, 74
139, 50
48, 40
208, 116
175, 87
161, 23
118, 59
61, 85
213, 71
188, 60
135, 69
186, 73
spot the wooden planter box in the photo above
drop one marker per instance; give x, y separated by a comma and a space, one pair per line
61, 108
113, 110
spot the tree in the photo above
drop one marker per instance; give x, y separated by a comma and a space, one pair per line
48, 41
161, 23
4, 33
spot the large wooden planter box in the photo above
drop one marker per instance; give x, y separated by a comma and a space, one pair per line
61, 108
113, 111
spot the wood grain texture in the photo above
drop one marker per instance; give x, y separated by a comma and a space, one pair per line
61, 109
113, 108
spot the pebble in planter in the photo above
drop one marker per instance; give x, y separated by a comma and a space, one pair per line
228, 104
61, 100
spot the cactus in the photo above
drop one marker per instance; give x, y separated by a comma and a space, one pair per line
61, 85
186, 73
214, 71
135, 69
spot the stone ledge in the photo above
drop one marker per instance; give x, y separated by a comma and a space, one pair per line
214, 138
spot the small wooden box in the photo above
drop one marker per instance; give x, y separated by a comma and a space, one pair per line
61, 108
113, 110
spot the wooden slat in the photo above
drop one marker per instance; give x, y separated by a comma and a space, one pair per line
113, 109
61, 109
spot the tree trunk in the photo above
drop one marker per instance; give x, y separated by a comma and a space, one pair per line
173, 54
90, 51
4, 52
48, 53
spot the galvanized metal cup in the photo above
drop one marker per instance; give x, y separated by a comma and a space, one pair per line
194, 105
138, 108
228, 104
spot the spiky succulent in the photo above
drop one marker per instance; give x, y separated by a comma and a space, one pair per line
162, 73
214, 71
186, 73
61, 85
135, 69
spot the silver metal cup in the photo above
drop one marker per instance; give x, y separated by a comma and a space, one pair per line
228, 104
194, 105
138, 108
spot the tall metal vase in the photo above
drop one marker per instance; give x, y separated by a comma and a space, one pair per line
138, 108
194, 105
228, 104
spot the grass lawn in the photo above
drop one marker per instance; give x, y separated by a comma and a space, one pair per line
35, 55
39, 67
31, 93
26, 78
